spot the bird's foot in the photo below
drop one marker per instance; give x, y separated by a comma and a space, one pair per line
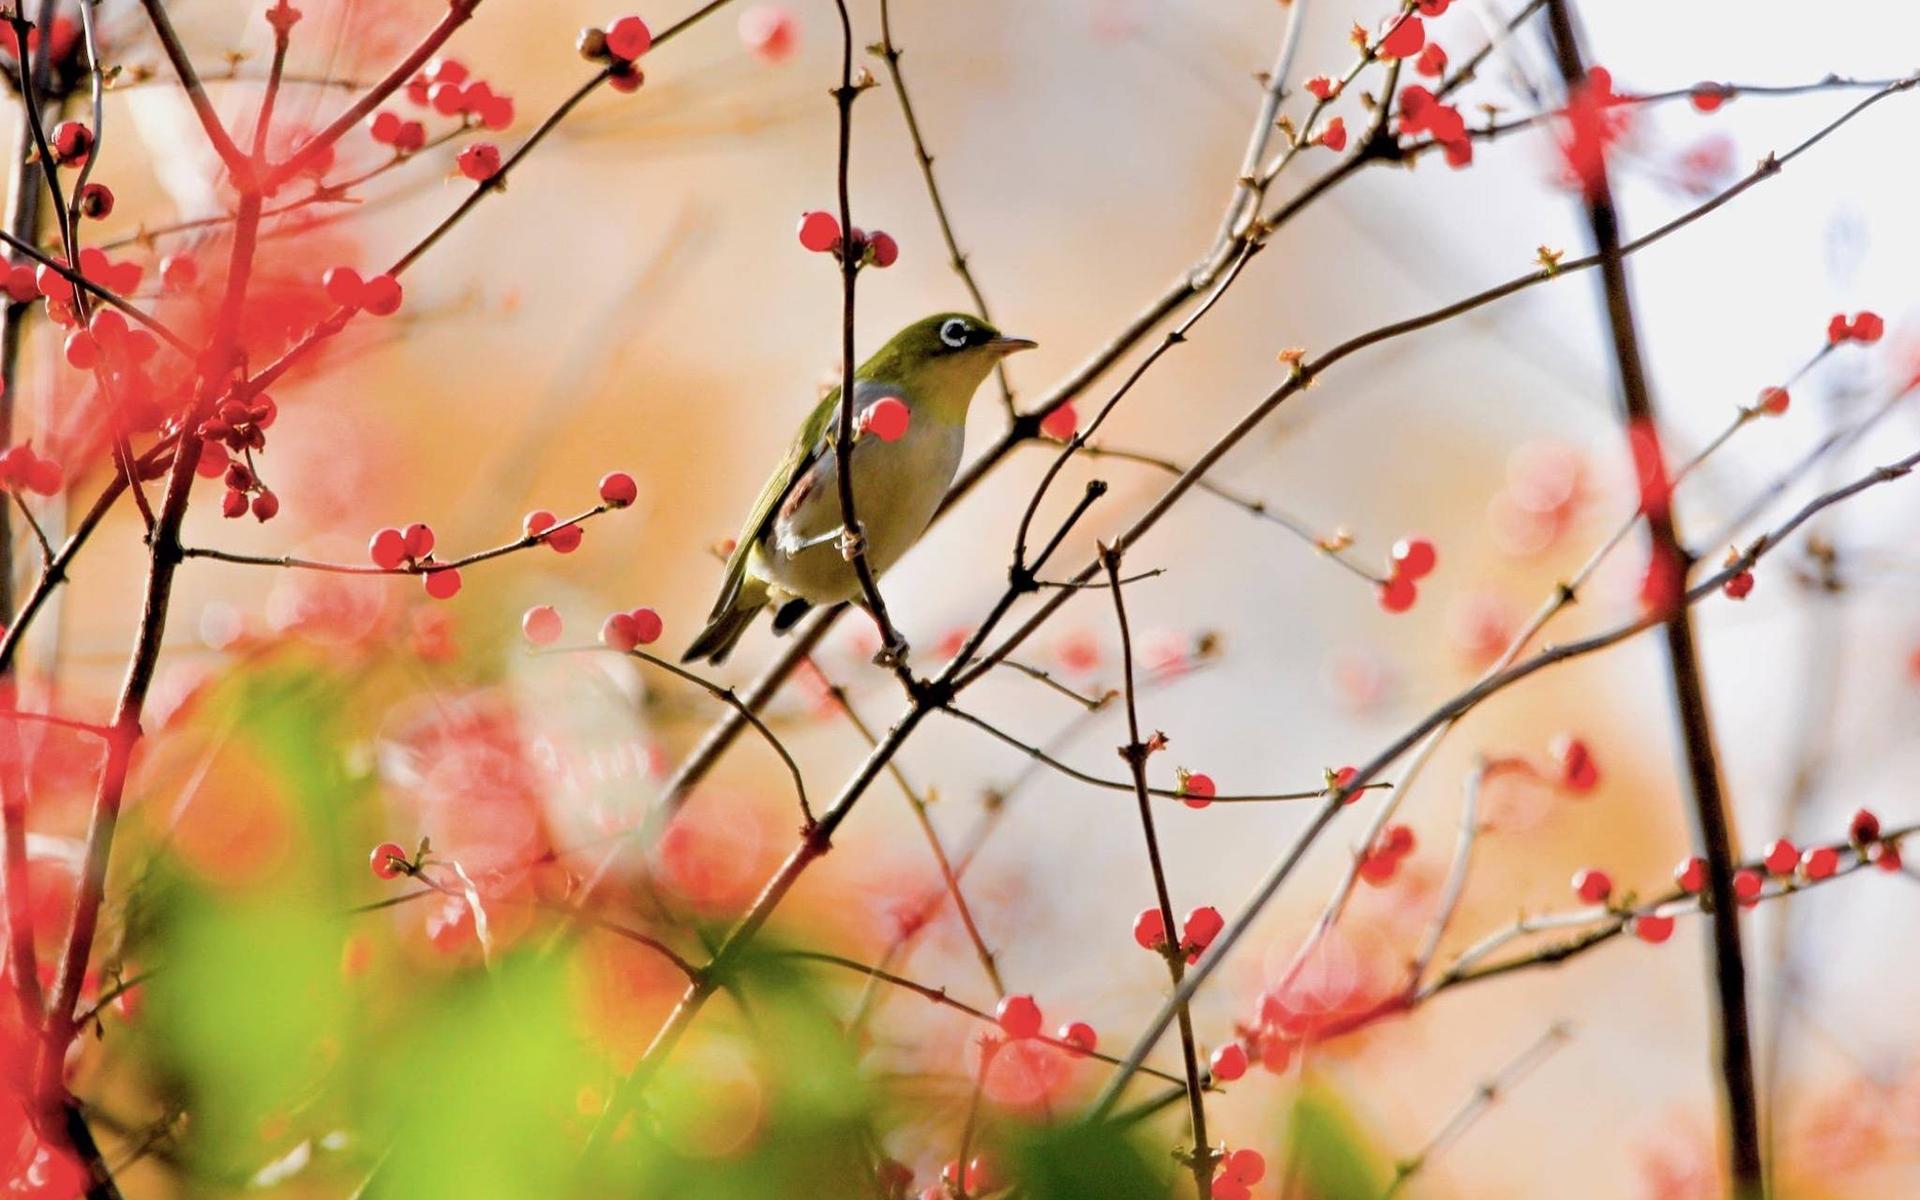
893, 655
853, 544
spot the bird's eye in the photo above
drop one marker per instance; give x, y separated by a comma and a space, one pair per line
954, 333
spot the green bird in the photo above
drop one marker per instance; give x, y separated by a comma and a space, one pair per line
788, 553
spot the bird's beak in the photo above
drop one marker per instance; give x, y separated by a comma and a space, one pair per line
1011, 345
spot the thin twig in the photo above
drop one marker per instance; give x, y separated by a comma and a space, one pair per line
957, 259
1201, 1158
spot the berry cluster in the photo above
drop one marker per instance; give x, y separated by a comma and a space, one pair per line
543, 526
412, 549
624, 631
820, 232
1422, 112
245, 493
1197, 932
1412, 559
21, 470
447, 88
379, 295
619, 46
1865, 328
1239, 1171
1382, 859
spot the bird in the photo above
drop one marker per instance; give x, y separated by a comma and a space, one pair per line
788, 554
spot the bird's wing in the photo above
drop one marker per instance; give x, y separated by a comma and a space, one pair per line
807, 447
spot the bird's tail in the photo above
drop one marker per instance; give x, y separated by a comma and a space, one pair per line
728, 624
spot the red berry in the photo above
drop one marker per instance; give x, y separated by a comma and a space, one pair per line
412, 136
647, 626
447, 70
418, 540
1707, 97
479, 162
72, 142
1202, 925
96, 201
178, 272
1747, 886
388, 549
1378, 866
1652, 928
618, 489
1432, 61
83, 352
1405, 39
444, 98
1197, 789
442, 584
1865, 827
1322, 88
497, 113
624, 77
1398, 839
628, 38
1578, 772
233, 505
1773, 401
1226, 1187
1867, 327
385, 127
1691, 875
565, 539
108, 328
1739, 586
342, 285
541, 625
1018, 1016
617, 633
1782, 856
266, 505
770, 32
52, 284
388, 860
22, 286
1433, 8
381, 295
1080, 1036
1592, 886
45, 477
885, 250
1228, 1063
1886, 856
1150, 929
886, 418
819, 231
1397, 594
1061, 423
1245, 1166
1819, 862
1343, 778
1414, 557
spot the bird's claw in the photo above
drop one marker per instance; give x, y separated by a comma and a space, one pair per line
893, 655
853, 544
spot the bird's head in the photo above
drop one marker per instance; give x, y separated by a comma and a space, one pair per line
939, 361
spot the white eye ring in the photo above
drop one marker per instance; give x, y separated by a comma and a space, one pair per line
954, 333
